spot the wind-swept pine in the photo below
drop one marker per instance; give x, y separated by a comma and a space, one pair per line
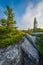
8, 25
10, 17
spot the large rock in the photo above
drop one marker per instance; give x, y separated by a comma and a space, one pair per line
11, 55
30, 49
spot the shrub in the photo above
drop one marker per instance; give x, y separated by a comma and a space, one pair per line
40, 43
10, 40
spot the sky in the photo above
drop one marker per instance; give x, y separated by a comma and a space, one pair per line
25, 11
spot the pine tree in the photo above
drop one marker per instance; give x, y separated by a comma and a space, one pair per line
10, 16
35, 24
8, 25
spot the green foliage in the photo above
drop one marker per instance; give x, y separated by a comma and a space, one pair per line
8, 29
9, 13
28, 31
9, 21
10, 16
11, 40
40, 43
3, 22
39, 30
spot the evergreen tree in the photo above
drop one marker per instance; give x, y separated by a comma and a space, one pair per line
10, 16
8, 25
35, 24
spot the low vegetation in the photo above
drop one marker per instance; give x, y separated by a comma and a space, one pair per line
4, 42
39, 42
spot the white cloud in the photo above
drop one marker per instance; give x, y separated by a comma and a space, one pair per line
31, 12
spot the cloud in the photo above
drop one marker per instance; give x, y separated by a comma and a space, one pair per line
32, 11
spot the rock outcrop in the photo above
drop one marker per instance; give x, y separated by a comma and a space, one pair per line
25, 52
12, 55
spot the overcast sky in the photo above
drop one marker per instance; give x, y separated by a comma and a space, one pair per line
25, 11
